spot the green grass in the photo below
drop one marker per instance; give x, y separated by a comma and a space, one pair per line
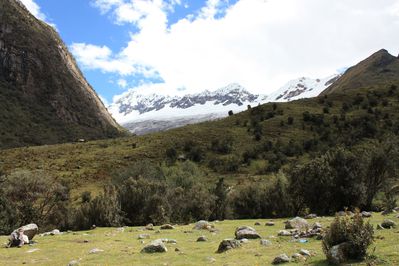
123, 248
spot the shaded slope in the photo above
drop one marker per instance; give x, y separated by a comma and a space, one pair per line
44, 98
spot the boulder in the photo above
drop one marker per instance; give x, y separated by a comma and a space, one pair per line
167, 227
228, 244
30, 230
365, 214
156, 246
338, 254
388, 224
298, 257
270, 224
265, 242
297, 223
257, 223
203, 225
95, 251
282, 258
311, 216
202, 239
246, 232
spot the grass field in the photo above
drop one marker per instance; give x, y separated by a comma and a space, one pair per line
123, 248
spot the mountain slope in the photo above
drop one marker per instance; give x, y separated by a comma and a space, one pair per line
380, 68
44, 97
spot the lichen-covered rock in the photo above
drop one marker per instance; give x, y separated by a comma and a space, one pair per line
246, 232
156, 246
228, 244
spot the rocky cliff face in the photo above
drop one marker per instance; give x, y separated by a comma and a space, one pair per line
44, 97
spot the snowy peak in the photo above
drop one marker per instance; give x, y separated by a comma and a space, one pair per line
302, 88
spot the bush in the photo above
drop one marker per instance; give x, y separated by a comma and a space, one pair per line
357, 235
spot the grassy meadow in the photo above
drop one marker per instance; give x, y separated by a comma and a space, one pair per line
123, 247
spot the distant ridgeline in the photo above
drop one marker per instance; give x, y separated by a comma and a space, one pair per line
44, 98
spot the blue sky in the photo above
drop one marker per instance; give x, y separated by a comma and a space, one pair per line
183, 46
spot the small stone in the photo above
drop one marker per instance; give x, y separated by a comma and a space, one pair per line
257, 223
283, 258
95, 251
244, 241
120, 230
246, 232
149, 227
366, 214
379, 227
167, 227
298, 257
305, 252
156, 246
32, 250
203, 225
143, 236
169, 241
311, 216
270, 224
265, 242
202, 239
73, 263
177, 249
85, 241
211, 260
284, 233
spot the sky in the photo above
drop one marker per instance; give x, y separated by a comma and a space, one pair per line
183, 46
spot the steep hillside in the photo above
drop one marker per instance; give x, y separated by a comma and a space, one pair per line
380, 68
44, 98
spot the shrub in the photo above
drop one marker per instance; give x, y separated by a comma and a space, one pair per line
357, 235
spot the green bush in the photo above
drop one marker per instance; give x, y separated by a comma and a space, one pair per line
357, 234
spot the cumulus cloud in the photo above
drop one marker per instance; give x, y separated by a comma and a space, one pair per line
34, 8
259, 44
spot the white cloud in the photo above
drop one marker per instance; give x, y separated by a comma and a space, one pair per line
259, 44
34, 8
122, 83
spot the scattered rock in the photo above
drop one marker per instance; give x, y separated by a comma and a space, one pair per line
298, 257
156, 246
149, 227
305, 253
228, 244
30, 230
143, 236
26, 239
317, 226
297, 223
32, 250
366, 214
177, 249
211, 260
379, 227
344, 213
169, 241
246, 232
257, 223
284, 233
120, 229
270, 224
396, 209
386, 212
203, 225
338, 254
85, 241
244, 241
388, 224
265, 242
73, 263
95, 251
93, 227
311, 216
202, 239
167, 227
283, 258
397, 216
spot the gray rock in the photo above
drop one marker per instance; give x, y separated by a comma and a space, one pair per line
73, 263
298, 257
388, 224
284, 233
55, 232
149, 227
167, 227
169, 241
379, 227
156, 246
297, 223
396, 209
203, 225
305, 252
317, 226
30, 230
244, 241
228, 244
344, 213
282, 258
202, 239
270, 224
366, 214
95, 251
338, 254
265, 242
257, 223
246, 232
311, 216
143, 236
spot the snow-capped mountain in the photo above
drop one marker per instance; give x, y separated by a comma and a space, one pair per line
133, 106
302, 88
150, 113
